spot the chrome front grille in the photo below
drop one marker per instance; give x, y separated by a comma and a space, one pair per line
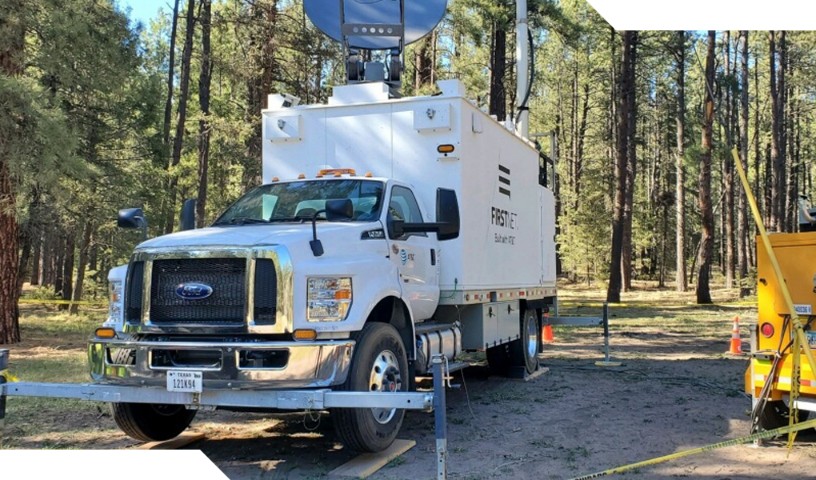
225, 306
252, 291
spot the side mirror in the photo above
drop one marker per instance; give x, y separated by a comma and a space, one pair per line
131, 218
339, 209
447, 214
447, 219
188, 211
396, 228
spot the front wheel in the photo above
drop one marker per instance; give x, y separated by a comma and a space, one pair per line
379, 364
148, 422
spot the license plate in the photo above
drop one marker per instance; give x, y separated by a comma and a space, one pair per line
179, 381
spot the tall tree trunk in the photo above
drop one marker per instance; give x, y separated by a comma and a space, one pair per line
704, 200
573, 157
782, 178
68, 270
581, 138
680, 190
498, 68
59, 264
25, 241
171, 70
777, 171
743, 228
728, 176
423, 61
758, 149
47, 278
184, 91
12, 51
614, 288
9, 290
631, 169
263, 63
36, 249
82, 265
204, 104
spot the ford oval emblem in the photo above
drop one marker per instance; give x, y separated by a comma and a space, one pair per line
193, 291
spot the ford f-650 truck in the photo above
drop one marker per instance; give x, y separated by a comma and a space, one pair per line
386, 231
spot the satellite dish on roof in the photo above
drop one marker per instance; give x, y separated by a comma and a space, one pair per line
420, 18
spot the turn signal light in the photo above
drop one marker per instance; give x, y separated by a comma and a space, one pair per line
767, 330
105, 332
342, 294
305, 334
446, 148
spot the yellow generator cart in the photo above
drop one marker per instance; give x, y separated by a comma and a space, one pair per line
769, 375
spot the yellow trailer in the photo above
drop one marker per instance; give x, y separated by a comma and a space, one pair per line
769, 376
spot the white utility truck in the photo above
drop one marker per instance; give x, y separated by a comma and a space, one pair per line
387, 231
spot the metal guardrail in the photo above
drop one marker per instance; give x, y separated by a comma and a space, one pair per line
273, 399
582, 321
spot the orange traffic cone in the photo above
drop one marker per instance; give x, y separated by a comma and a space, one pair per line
736, 342
547, 331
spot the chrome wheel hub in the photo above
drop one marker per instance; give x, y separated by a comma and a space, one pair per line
532, 338
385, 377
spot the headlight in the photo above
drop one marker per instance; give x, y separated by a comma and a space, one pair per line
328, 299
115, 300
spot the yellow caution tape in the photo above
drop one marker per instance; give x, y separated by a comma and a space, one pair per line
728, 443
8, 376
59, 302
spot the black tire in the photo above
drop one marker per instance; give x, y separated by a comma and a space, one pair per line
144, 421
152, 423
776, 414
498, 359
379, 363
524, 351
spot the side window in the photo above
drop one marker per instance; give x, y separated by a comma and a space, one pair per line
403, 206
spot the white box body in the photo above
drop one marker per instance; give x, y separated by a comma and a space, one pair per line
507, 237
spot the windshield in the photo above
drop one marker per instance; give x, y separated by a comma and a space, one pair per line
299, 201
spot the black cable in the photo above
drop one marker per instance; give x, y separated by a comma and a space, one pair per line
766, 389
523, 105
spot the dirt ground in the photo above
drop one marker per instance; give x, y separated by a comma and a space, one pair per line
675, 390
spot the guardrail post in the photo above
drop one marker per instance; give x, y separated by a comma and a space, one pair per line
607, 362
4, 355
606, 330
440, 420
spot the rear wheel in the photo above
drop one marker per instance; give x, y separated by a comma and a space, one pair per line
776, 414
524, 351
498, 359
379, 364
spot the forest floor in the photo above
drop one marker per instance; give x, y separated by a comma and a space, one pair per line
676, 390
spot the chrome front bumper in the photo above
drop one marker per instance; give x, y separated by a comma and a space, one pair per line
302, 364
